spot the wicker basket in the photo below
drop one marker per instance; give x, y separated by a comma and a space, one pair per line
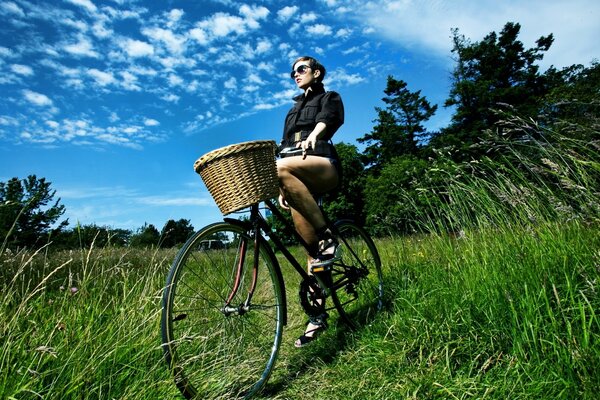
240, 175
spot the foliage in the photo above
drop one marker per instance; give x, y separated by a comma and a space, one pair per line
399, 130
146, 236
28, 211
497, 70
85, 236
576, 100
175, 233
384, 194
347, 201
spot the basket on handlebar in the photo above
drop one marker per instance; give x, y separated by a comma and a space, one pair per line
240, 175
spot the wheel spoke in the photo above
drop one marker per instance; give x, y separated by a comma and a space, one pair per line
216, 352
357, 277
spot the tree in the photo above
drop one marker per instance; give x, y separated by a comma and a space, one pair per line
497, 70
399, 130
146, 236
86, 236
27, 211
348, 200
574, 101
386, 195
175, 233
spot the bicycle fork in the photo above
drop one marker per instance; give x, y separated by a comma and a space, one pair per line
244, 307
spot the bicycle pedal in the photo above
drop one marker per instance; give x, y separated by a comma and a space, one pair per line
320, 268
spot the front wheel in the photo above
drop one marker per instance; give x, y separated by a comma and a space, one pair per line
357, 279
222, 318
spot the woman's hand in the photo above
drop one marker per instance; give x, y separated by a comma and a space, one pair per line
311, 140
309, 143
284, 204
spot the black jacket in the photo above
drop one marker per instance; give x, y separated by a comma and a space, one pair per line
317, 106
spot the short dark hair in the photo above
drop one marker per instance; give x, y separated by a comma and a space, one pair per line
314, 64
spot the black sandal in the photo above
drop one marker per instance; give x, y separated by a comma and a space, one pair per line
329, 251
320, 326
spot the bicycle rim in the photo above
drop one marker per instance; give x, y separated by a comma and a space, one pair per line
357, 278
213, 351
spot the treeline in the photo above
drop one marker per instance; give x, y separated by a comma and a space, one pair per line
516, 134
29, 218
518, 137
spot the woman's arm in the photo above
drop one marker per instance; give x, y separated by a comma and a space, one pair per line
311, 140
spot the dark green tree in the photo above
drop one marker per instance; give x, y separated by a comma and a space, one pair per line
146, 236
347, 201
175, 233
28, 212
399, 130
498, 70
391, 196
86, 236
574, 102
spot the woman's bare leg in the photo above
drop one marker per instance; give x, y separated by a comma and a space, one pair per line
300, 179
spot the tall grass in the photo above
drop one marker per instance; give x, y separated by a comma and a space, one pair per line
504, 307
82, 325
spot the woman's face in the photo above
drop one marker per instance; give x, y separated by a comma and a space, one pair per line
303, 74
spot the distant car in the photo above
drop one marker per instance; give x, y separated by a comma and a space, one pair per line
211, 245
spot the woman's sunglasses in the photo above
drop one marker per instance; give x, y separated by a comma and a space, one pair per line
301, 70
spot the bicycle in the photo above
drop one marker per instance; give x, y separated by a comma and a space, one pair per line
225, 306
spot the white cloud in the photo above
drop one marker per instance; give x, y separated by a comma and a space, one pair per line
52, 124
82, 48
254, 14
151, 122
263, 46
231, 83
130, 81
427, 25
174, 80
20, 69
37, 98
101, 31
343, 33
5, 52
87, 4
12, 8
222, 24
286, 13
102, 78
199, 35
174, 43
137, 48
174, 16
309, 17
319, 29
6, 120
171, 98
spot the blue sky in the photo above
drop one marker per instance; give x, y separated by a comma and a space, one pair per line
112, 101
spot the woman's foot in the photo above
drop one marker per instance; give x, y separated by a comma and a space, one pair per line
313, 330
329, 251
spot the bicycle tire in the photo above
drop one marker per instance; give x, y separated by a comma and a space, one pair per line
356, 279
213, 352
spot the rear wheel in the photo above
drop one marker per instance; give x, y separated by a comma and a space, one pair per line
219, 342
356, 278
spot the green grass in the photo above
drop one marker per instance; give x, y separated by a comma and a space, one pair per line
505, 308
497, 313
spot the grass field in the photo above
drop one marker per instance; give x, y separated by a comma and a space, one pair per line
503, 313
505, 308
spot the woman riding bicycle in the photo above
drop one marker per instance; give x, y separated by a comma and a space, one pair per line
309, 127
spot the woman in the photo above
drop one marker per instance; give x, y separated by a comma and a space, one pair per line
309, 126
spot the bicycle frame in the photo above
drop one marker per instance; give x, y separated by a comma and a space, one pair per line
258, 224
